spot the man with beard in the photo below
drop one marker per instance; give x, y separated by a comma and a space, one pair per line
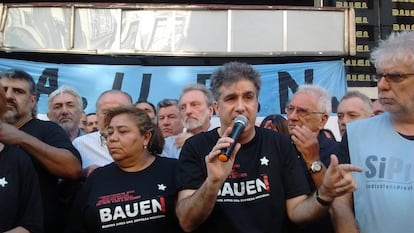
53, 155
196, 108
65, 108
20, 200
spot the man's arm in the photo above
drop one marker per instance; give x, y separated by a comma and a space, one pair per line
304, 209
18, 230
342, 215
88, 170
60, 162
338, 181
341, 212
194, 206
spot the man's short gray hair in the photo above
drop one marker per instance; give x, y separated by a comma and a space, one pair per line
324, 101
65, 89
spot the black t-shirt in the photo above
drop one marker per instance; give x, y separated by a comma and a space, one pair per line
113, 200
20, 200
53, 206
253, 198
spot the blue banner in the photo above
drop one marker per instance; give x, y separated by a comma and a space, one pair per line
154, 83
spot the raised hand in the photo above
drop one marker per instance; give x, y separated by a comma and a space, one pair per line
306, 142
218, 171
338, 179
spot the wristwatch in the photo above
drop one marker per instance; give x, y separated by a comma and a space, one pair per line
316, 167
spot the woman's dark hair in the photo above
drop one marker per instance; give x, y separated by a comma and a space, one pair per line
149, 103
278, 121
144, 124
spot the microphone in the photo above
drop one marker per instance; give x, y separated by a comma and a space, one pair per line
239, 123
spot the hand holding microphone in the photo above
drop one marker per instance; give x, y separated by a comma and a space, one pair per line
240, 123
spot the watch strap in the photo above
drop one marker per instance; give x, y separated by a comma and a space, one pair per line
321, 201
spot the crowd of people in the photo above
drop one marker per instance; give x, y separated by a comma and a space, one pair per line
140, 167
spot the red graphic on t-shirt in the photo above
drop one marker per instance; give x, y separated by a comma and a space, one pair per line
117, 197
266, 181
234, 174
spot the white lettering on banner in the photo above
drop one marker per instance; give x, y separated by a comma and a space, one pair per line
153, 83
132, 210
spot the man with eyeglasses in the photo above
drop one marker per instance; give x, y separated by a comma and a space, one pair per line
307, 113
384, 144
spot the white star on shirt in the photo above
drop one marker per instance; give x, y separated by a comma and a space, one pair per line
162, 187
264, 161
3, 182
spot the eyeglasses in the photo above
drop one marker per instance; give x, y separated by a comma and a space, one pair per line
394, 78
303, 112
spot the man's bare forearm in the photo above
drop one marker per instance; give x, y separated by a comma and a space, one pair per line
18, 229
302, 210
59, 161
194, 206
342, 215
